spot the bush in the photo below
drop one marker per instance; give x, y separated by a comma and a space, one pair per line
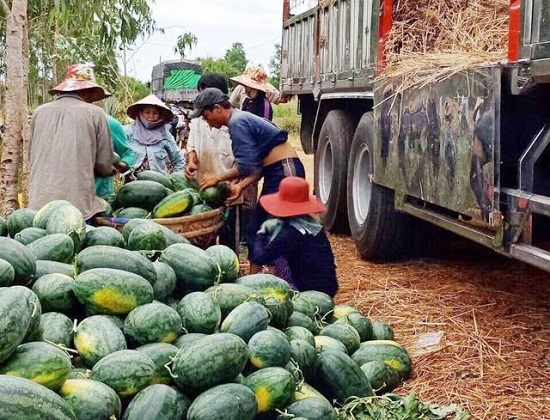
286, 116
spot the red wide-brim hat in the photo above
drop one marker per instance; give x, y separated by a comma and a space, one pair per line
293, 199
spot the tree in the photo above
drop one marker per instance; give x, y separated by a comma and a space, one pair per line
275, 66
233, 63
185, 40
16, 102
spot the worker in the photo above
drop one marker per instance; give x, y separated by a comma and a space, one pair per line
294, 234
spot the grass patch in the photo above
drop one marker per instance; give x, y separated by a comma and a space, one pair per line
286, 116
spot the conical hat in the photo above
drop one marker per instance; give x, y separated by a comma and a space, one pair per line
80, 77
166, 113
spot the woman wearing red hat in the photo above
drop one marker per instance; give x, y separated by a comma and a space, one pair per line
295, 235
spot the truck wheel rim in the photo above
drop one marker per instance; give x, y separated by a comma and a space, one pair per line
361, 185
325, 172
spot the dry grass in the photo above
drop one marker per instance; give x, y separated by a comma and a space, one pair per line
444, 38
494, 358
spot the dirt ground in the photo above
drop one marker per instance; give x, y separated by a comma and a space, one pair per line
492, 315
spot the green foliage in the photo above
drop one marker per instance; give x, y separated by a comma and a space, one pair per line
233, 63
185, 40
129, 90
286, 116
275, 66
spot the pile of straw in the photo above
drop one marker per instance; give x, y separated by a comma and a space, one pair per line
445, 37
493, 314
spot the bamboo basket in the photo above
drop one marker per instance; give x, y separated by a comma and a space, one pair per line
200, 229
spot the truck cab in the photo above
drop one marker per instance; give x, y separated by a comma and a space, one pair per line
464, 150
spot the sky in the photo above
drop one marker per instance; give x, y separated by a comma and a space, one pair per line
217, 24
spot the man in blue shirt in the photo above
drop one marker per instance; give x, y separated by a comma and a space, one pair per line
261, 149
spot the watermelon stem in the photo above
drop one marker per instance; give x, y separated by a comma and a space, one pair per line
62, 347
167, 366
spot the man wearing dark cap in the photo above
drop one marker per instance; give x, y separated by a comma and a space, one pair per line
261, 149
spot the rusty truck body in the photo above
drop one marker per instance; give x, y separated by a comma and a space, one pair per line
468, 154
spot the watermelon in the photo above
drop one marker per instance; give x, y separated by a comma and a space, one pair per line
246, 320
230, 295
3, 227
323, 342
18, 220
126, 371
40, 362
170, 237
55, 247
79, 373
267, 349
30, 234
44, 267
159, 402
155, 176
227, 260
235, 401
153, 322
340, 311
361, 323
304, 390
112, 292
145, 194
41, 402
55, 292
298, 319
147, 237
199, 209
320, 300
344, 333
161, 354
301, 333
33, 306
180, 181
56, 328
381, 331
209, 361
340, 377
185, 340
216, 195
91, 400
273, 386
22, 261
173, 205
194, 268
102, 256
68, 219
305, 356
199, 313
104, 235
96, 337
165, 284
16, 319
313, 409
299, 304
382, 377
43, 215
390, 352
7, 273
131, 213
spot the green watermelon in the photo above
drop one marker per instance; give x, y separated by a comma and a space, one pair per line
91, 400
320, 300
323, 342
273, 386
344, 333
230, 295
7, 273
43, 215
44, 267
18, 220
165, 284
55, 247
22, 261
268, 349
125, 371
199, 313
216, 195
147, 238
227, 260
3, 227
381, 331
131, 213
186, 339
153, 323
297, 332
96, 337
30, 234
16, 319
161, 354
312, 409
298, 319
173, 205
155, 176
40, 362
390, 352
199, 209
382, 377
41, 402
180, 181
68, 219
144, 194
305, 356
235, 401
56, 328
246, 320
104, 235
55, 292
209, 361
159, 402
361, 323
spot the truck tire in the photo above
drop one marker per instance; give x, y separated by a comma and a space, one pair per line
376, 227
331, 161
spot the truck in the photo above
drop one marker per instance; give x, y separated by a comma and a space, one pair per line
175, 81
468, 154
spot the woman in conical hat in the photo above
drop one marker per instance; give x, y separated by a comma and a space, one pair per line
149, 136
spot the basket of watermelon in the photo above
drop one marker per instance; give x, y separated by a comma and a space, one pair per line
172, 201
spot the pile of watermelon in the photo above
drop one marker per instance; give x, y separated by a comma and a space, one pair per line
155, 195
140, 324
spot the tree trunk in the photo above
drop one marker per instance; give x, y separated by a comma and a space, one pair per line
16, 103
25, 119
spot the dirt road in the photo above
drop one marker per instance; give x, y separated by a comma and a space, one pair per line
493, 316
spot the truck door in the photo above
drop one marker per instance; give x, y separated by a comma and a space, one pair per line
536, 30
